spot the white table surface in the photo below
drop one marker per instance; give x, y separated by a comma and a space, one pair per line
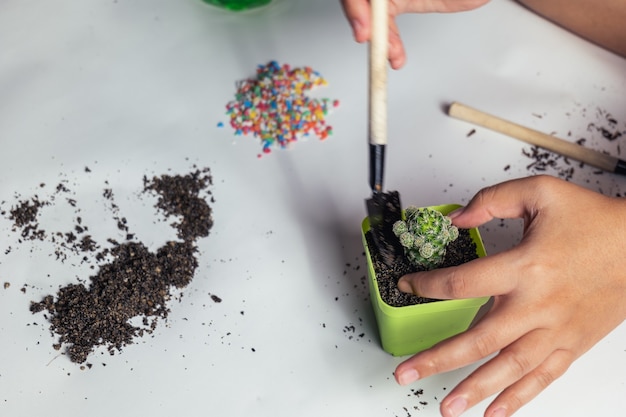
137, 87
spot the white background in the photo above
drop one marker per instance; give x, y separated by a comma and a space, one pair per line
137, 87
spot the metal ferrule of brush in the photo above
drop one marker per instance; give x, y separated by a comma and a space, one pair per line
377, 167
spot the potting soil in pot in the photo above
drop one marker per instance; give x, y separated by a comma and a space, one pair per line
460, 251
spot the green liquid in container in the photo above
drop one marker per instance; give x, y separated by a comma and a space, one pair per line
238, 5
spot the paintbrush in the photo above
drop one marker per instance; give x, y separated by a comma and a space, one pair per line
383, 209
569, 149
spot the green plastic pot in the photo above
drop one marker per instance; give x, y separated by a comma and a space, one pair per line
411, 329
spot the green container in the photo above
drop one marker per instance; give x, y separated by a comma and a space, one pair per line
411, 329
238, 5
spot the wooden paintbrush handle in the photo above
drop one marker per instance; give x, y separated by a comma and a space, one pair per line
534, 137
378, 53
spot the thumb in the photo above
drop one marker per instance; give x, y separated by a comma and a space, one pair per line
507, 200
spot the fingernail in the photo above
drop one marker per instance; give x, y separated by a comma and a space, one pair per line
404, 286
456, 213
499, 412
396, 63
408, 377
457, 406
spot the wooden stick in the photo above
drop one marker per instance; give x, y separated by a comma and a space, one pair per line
534, 137
379, 46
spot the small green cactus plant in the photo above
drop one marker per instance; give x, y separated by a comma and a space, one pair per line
425, 234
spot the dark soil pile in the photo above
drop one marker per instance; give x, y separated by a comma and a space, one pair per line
137, 282
24, 217
178, 196
462, 250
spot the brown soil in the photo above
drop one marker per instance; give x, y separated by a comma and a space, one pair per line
136, 283
460, 251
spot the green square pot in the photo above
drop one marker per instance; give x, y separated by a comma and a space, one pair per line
411, 329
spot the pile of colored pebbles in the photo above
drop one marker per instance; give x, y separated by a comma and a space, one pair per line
273, 106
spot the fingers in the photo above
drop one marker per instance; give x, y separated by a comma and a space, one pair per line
397, 54
494, 332
358, 14
523, 391
525, 365
510, 199
545, 203
492, 275
521, 371
511, 365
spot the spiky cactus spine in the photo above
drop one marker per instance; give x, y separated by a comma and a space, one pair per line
425, 234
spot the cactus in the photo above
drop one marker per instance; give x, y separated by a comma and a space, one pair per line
424, 235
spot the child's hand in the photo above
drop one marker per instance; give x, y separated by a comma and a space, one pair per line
358, 14
556, 294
